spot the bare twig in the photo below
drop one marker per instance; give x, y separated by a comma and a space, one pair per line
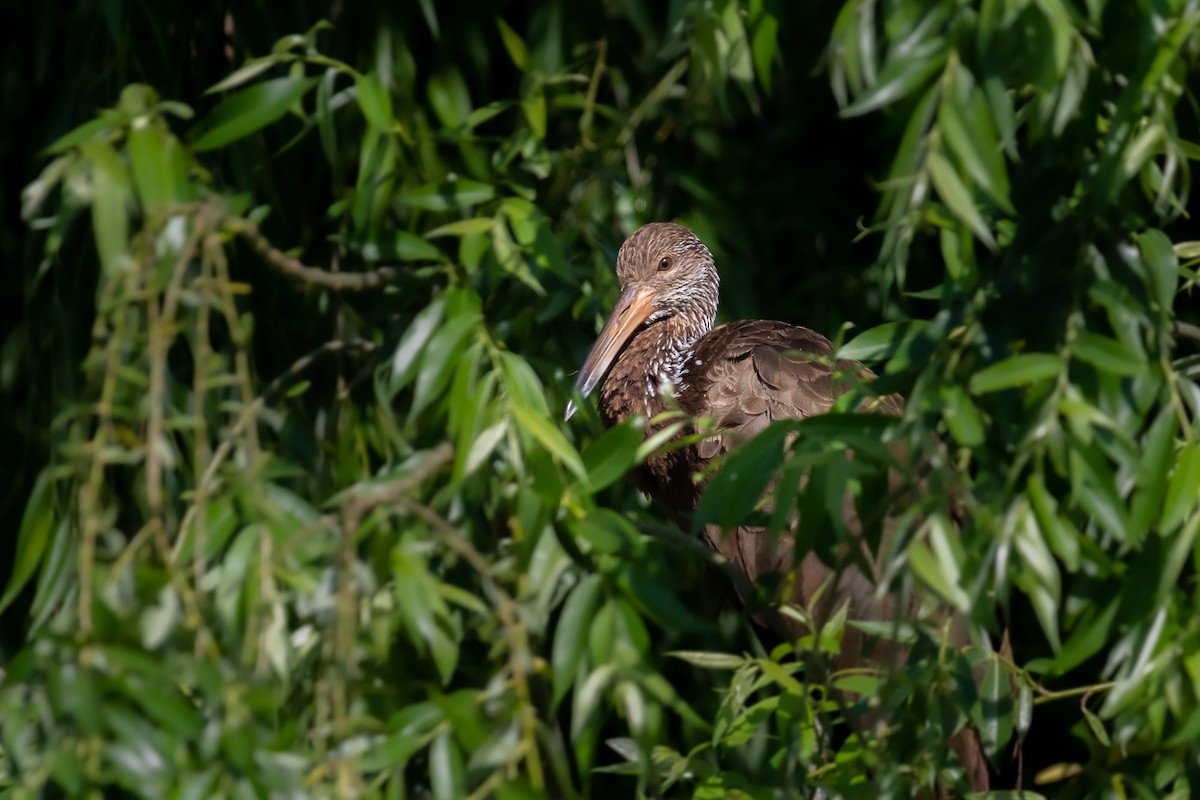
249, 413
359, 503
160, 324
283, 263
1186, 329
90, 512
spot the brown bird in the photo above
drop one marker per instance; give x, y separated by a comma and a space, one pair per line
743, 376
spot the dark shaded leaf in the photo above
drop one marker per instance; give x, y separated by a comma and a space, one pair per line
610, 456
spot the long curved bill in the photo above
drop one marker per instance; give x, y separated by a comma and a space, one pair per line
634, 306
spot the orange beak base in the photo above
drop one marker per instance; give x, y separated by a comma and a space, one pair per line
634, 306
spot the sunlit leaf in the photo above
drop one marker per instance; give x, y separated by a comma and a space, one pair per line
708, 660
247, 111
954, 192
446, 195
900, 77
515, 47
462, 227
570, 636
1019, 370
550, 437
374, 100
247, 72
447, 773
996, 698
37, 523
1183, 489
110, 205
882, 341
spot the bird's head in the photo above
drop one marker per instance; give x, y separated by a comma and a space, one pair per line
666, 274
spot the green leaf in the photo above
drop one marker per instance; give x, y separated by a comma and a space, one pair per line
961, 416
542, 429
111, 193
86, 131
588, 695
883, 341
605, 530
997, 709
399, 246
739, 484
899, 78
764, 40
957, 197
522, 383
1024, 712
709, 660
247, 72
449, 96
1019, 370
653, 598
1039, 577
426, 616
1158, 446
462, 227
57, 576
571, 634
1183, 489
247, 111
780, 675
159, 169
515, 47
1106, 353
483, 445
968, 131
612, 454
1089, 636
1163, 265
1096, 726
447, 774
406, 357
36, 524
374, 100
937, 574
439, 358
1060, 534
324, 117
447, 195
534, 107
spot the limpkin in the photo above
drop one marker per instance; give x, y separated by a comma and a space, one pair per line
742, 375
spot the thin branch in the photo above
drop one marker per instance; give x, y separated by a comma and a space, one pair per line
291, 267
360, 502
249, 413
1186, 329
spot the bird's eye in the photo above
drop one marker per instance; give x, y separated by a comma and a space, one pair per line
665, 264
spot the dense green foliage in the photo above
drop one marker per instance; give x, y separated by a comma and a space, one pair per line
291, 312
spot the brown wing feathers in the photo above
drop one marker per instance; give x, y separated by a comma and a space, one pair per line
744, 376
748, 375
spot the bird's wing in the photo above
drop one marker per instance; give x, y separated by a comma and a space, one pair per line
746, 375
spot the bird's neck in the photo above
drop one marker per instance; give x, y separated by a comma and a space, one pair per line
654, 356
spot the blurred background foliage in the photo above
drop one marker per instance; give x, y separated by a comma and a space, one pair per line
291, 303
